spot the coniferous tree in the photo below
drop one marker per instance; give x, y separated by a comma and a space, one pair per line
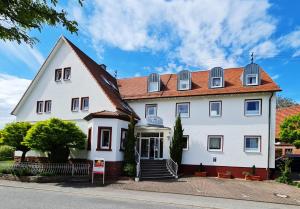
176, 145
129, 152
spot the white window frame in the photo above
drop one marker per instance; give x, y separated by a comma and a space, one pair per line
48, 105
73, 108
251, 150
69, 78
220, 110
212, 83
249, 113
221, 144
187, 142
184, 82
61, 74
150, 106
109, 136
153, 84
177, 109
39, 107
83, 99
252, 75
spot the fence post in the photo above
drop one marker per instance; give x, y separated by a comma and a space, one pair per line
72, 169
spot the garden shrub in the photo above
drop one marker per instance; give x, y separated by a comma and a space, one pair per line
6, 152
285, 173
130, 169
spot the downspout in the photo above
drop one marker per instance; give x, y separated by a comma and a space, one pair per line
269, 135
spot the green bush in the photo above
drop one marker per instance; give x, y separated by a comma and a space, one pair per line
130, 169
6, 152
22, 172
6, 171
285, 173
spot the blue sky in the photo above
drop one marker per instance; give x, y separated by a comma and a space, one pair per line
139, 37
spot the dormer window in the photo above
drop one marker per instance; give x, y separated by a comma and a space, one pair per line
153, 82
216, 77
184, 80
252, 79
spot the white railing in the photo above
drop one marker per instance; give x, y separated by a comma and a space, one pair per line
138, 163
58, 169
172, 167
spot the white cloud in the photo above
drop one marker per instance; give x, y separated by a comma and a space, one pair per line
169, 68
29, 56
266, 49
195, 33
291, 40
11, 90
276, 76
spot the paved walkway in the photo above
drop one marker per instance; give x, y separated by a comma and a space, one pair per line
226, 188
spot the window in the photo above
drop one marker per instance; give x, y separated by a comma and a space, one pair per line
39, 106
215, 143
184, 80
185, 142
216, 82
252, 79
151, 110
288, 151
252, 143
153, 82
123, 138
89, 139
104, 138
58, 74
215, 109
67, 73
183, 110
48, 106
75, 104
84, 103
252, 107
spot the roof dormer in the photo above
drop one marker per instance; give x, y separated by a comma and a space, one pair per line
184, 80
153, 82
251, 75
216, 78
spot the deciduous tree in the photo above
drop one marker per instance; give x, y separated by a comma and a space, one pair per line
290, 130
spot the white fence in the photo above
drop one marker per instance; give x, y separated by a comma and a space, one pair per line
59, 169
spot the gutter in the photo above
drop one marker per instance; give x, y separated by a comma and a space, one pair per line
269, 135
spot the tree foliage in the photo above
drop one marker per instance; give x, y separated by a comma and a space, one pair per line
55, 137
14, 134
129, 152
285, 102
17, 17
176, 145
290, 130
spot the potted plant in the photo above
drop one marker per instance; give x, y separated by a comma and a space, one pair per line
226, 175
252, 175
201, 171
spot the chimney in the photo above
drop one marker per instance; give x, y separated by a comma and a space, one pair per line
103, 66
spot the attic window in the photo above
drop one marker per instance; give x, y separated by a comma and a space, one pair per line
252, 75
252, 79
216, 82
153, 82
184, 80
216, 77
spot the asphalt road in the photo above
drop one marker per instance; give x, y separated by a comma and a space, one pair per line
48, 196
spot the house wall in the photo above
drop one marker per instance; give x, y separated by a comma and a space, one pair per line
233, 125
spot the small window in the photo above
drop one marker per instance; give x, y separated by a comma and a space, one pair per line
183, 110
215, 109
252, 143
84, 103
252, 79
123, 139
215, 143
288, 151
185, 139
67, 73
48, 104
75, 104
58, 74
216, 82
153, 82
39, 106
252, 107
104, 138
184, 80
89, 139
151, 110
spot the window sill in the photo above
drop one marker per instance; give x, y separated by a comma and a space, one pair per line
252, 115
249, 151
215, 150
103, 149
58, 81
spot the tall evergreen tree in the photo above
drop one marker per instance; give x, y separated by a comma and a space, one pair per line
129, 152
176, 145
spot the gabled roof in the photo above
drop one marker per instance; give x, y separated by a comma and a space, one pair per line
106, 82
283, 113
136, 88
108, 114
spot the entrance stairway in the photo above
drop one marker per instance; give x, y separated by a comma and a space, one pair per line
155, 169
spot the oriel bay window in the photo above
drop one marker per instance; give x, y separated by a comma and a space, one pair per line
252, 107
183, 110
252, 143
104, 138
75, 104
215, 143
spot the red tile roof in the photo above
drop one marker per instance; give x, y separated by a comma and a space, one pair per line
136, 88
108, 114
282, 113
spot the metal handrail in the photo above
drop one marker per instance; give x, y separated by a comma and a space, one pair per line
138, 163
172, 167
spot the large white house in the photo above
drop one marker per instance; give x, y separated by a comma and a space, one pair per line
228, 115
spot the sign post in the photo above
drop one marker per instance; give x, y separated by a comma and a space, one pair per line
98, 168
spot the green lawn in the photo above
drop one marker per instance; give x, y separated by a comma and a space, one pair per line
5, 164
